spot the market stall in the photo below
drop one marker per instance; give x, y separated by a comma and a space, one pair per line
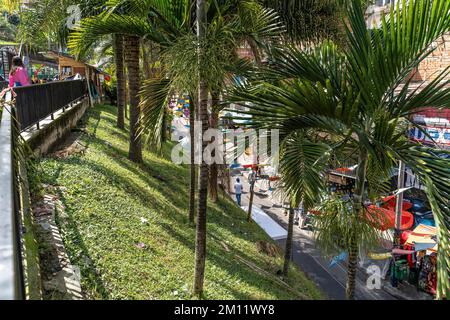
415, 260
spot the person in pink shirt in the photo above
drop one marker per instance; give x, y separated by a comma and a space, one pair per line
18, 76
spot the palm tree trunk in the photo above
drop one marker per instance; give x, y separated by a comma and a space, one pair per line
250, 202
200, 241
358, 212
255, 51
288, 248
121, 82
132, 61
165, 126
127, 94
214, 170
193, 179
145, 61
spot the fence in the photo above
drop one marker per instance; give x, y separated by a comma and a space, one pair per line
11, 274
33, 103
37, 102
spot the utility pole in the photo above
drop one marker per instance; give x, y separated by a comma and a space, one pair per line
399, 201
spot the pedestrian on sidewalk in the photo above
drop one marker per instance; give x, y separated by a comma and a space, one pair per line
18, 75
238, 191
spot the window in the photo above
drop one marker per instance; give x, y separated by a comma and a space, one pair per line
66, 70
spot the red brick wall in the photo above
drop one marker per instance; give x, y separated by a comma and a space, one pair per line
436, 62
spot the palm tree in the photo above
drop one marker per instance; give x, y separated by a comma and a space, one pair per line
200, 239
132, 43
169, 24
121, 84
359, 99
302, 160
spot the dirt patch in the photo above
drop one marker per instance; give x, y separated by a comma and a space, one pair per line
71, 146
267, 248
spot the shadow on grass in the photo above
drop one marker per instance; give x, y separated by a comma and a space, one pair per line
172, 183
87, 267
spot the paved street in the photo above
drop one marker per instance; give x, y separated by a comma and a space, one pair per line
331, 280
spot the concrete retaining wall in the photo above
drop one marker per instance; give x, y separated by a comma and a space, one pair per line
52, 132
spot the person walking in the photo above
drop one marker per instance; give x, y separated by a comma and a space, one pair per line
18, 76
238, 191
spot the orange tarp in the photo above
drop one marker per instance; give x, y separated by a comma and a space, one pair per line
423, 234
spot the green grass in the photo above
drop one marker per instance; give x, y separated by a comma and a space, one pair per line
106, 195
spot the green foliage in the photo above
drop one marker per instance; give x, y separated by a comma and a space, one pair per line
360, 98
10, 6
310, 20
337, 225
301, 164
45, 22
7, 30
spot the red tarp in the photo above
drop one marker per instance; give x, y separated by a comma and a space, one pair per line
384, 219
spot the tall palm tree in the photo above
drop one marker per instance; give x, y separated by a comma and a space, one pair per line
200, 239
170, 25
214, 169
302, 160
116, 20
362, 97
132, 43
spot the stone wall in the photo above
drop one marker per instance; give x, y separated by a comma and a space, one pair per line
43, 140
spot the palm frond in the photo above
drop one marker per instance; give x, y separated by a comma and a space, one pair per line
434, 172
155, 94
301, 166
90, 29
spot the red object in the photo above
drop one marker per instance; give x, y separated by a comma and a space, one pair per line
274, 178
410, 257
404, 236
390, 202
107, 77
343, 170
315, 212
384, 219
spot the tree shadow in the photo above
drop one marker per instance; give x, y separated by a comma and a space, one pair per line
68, 223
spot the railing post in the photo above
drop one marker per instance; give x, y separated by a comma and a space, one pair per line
50, 90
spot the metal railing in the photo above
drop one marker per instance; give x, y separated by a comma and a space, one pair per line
11, 270
37, 102
32, 104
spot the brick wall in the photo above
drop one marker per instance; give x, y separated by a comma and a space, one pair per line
436, 62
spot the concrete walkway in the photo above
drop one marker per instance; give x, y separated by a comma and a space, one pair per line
331, 280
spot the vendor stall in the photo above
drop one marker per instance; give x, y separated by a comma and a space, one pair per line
416, 260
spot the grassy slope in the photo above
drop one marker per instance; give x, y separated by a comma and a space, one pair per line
105, 197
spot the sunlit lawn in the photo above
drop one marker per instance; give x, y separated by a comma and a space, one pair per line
126, 227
